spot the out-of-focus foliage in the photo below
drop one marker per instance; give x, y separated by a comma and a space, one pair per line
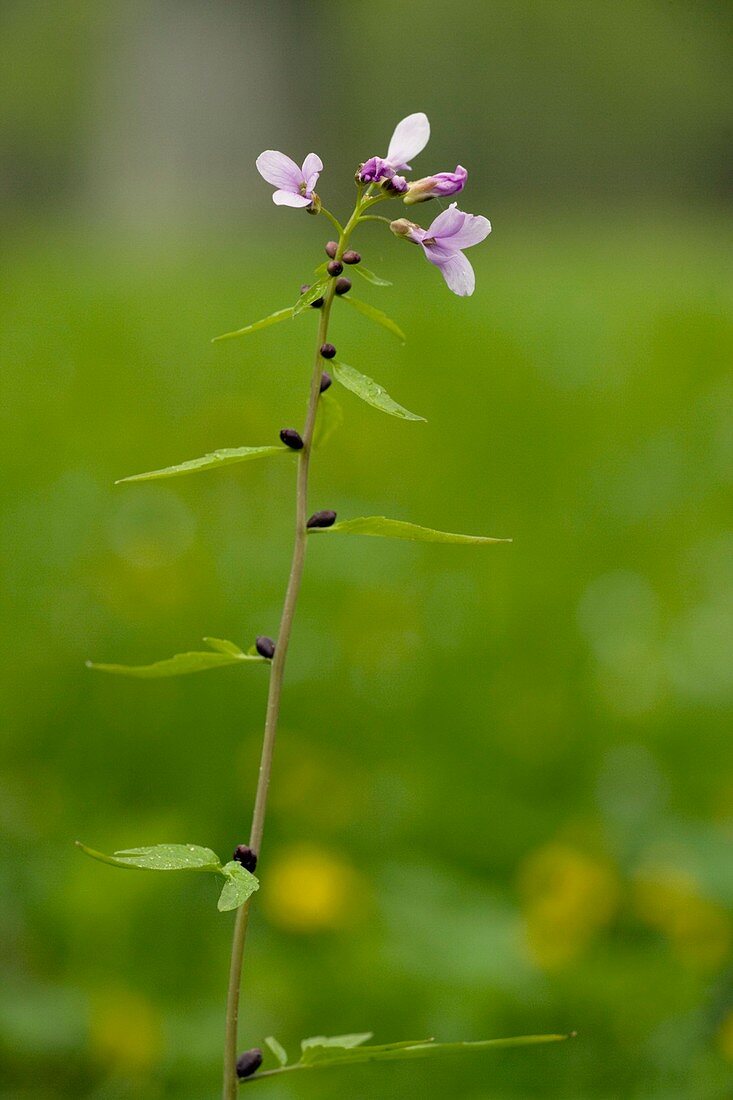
502, 799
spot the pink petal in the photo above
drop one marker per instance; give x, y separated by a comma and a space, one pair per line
475, 229
410, 138
312, 168
455, 269
287, 198
280, 170
447, 224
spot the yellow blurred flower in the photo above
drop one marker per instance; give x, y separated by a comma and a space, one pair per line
309, 889
699, 930
125, 1031
568, 898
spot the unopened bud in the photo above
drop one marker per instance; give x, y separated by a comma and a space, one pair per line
322, 519
328, 351
249, 1062
265, 647
335, 267
343, 286
326, 381
351, 257
315, 206
246, 856
395, 185
331, 249
439, 186
403, 228
292, 439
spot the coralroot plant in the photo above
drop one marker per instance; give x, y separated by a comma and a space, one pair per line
378, 180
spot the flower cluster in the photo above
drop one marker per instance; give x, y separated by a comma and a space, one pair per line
378, 178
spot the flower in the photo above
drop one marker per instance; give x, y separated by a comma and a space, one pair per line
410, 137
443, 241
440, 186
294, 185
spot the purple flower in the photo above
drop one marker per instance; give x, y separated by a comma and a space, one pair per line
410, 137
438, 186
294, 185
443, 241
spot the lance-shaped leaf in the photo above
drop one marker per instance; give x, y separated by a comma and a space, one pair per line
225, 457
382, 527
277, 1049
370, 391
240, 886
375, 314
329, 418
323, 1053
308, 297
226, 653
370, 277
279, 315
322, 1048
160, 857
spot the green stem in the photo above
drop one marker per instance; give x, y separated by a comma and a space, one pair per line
277, 669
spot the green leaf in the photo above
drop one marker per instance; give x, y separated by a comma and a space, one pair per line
321, 269
309, 296
183, 663
225, 457
370, 277
375, 314
329, 418
370, 391
279, 315
322, 1048
277, 1049
382, 527
160, 857
221, 645
240, 886
326, 1054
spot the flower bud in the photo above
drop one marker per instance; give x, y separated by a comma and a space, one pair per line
331, 249
265, 646
351, 257
322, 519
438, 186
292, 439
343, 286
315, 206
246, 856
328, 351
249, 1062
403, 228
335, 267
326, 381
395, 185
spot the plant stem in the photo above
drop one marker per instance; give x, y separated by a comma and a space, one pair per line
277, 669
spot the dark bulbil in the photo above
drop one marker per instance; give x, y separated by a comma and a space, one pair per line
331, 249
351, 257
265, 646
343, 286
243, 854
326, 381
249, 1062
292, 439
335, 267
322, 519
328, 351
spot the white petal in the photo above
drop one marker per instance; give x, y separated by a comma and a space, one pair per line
312, 168
279, 170
287, 198
410, 138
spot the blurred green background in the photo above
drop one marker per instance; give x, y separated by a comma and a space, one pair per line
503, 792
